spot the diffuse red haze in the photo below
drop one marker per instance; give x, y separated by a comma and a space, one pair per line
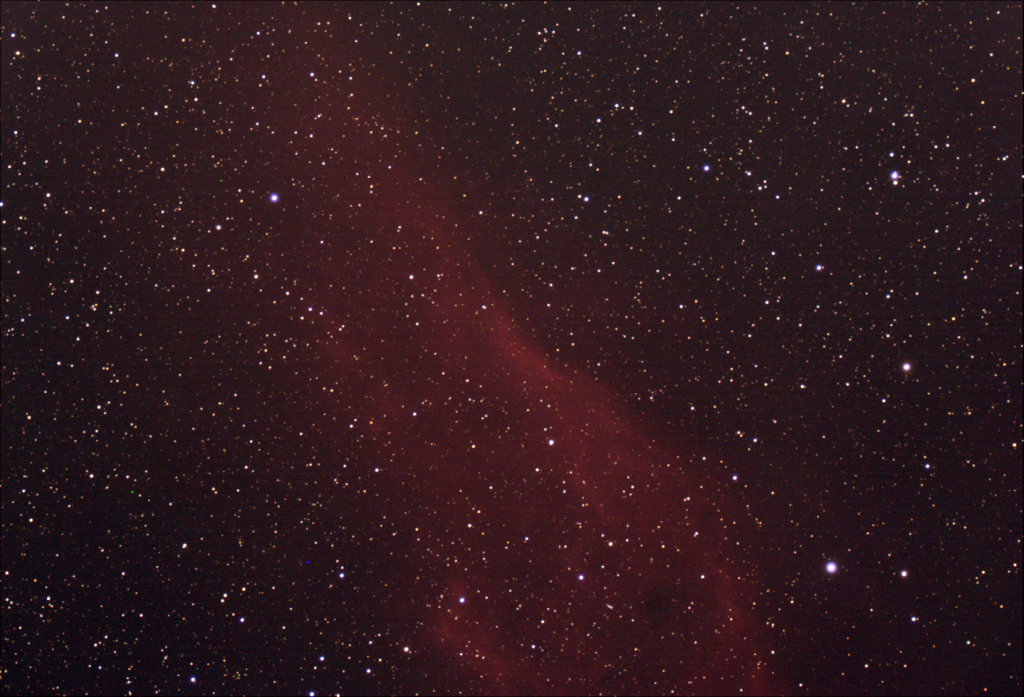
556, 549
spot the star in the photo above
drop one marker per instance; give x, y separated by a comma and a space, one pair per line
831, 567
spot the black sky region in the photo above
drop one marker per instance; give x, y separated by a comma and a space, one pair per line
511, 348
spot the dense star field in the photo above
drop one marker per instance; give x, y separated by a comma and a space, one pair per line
511, 348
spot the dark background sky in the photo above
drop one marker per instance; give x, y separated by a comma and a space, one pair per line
511, 348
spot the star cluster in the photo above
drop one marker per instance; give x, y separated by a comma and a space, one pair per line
511, 348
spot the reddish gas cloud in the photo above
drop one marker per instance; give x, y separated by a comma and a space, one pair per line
556, 549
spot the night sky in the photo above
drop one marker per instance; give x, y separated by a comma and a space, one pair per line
511, 348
